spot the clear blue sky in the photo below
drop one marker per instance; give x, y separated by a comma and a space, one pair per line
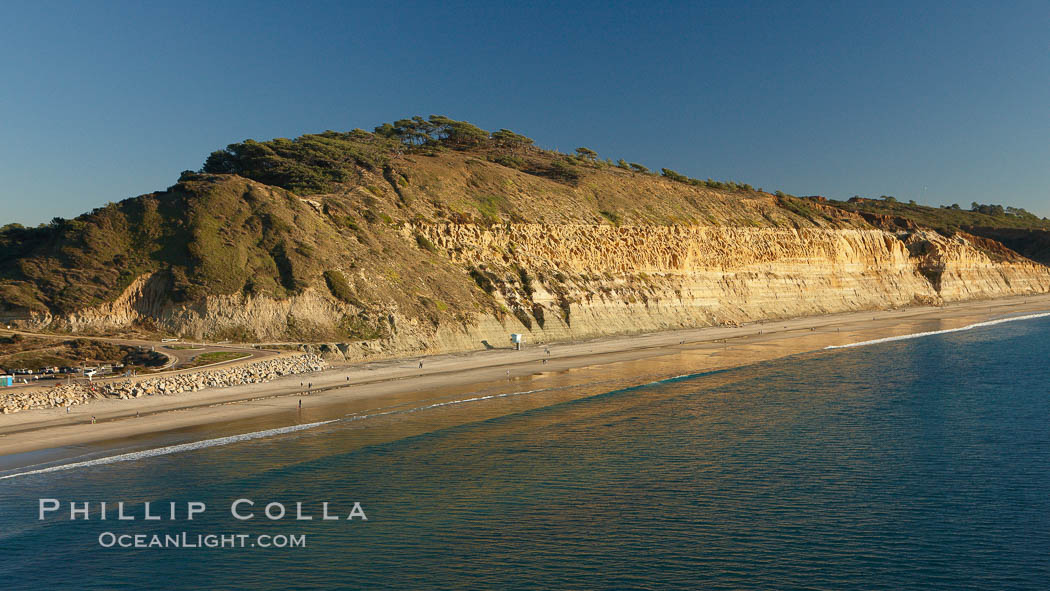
939, 102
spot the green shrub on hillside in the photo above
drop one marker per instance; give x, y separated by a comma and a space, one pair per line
340, 288
441, 130
483, 279
563, 170
586, 153
507, 139
309, 164
509, 161
360, 329
612, 216
674, 176
425, 244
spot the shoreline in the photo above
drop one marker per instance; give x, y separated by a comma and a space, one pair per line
367, 386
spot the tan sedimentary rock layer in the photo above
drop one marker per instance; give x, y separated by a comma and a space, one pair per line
595, 280
651, 278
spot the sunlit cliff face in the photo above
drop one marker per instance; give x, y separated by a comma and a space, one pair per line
574, 281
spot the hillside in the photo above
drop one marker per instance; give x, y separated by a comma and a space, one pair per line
434, 235
948, 219
1019, 230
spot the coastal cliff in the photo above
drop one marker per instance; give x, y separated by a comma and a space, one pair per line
574, 281
455, 249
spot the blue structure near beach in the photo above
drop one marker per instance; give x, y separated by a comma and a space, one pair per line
7, 381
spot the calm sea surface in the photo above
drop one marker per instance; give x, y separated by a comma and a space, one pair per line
918, 464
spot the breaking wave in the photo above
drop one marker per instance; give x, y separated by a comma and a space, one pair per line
937, 332
219, 441
171, 449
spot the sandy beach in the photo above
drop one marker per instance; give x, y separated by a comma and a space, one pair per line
359, 388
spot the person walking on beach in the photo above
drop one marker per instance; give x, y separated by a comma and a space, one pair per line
420, 365
92, 419
300, 404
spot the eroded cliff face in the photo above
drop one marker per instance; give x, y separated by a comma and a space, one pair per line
648, 278
566, 281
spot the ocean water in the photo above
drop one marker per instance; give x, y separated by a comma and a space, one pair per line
910, 464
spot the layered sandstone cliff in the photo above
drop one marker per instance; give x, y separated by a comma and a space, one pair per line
558, 282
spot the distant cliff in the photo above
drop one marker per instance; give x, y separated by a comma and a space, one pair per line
383, 245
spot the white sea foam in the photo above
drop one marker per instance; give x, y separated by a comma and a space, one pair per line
936, 332
448, 403
490, 396
171, 449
